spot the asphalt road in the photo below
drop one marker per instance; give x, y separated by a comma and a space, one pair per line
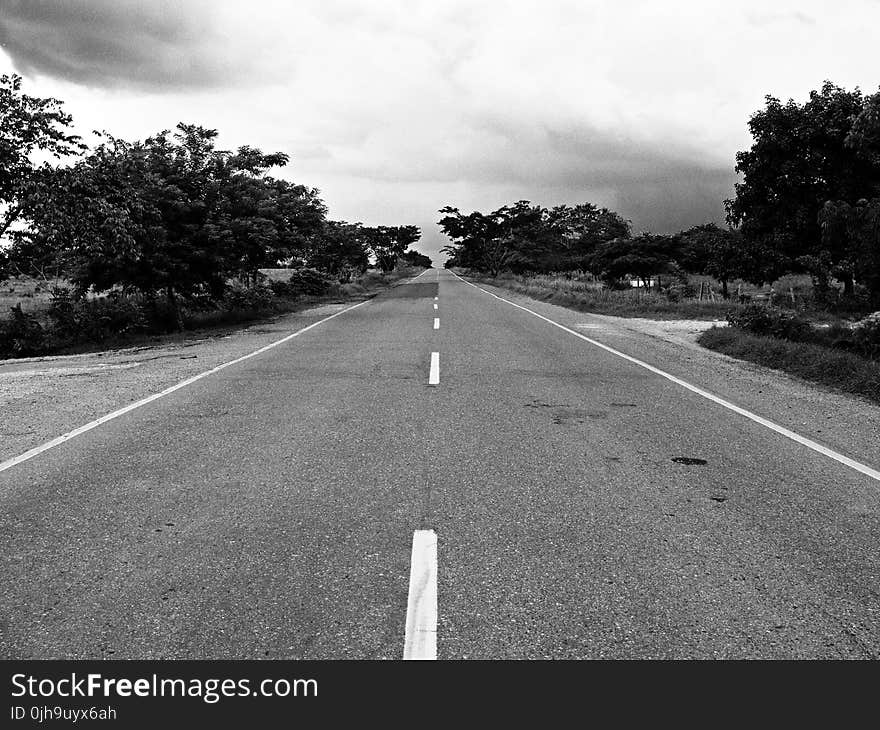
268, 509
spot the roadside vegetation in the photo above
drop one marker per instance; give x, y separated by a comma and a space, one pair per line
800, 249
61, 324
584, 292
842, 369
169, 233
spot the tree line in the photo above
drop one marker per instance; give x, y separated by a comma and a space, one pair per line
808, 202
171, 215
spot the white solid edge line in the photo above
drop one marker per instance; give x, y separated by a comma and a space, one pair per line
436, 323
421, 605
36, 451
434, 373
803, 440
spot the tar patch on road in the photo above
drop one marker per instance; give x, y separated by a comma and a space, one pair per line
412, 291
689, 460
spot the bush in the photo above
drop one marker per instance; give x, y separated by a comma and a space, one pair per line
256, 297
113, 316
843, 370
866, 335
303, 282
762, 320
21, 335
310, 282
282, 289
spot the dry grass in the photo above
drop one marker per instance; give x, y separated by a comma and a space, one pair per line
32, 294
842, 370
590, 296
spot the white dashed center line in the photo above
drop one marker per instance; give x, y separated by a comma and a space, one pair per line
434, 374
436, 323
435, 306
421, 607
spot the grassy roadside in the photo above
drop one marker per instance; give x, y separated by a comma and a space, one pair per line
841, 370
226, 319
591, 297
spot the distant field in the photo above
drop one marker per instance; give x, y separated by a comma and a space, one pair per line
32, 294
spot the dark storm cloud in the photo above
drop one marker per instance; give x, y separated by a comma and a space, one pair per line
116, 42
657, 185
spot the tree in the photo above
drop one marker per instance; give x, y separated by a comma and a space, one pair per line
339, 249
27, 124
708, 249
644, 257
387, 243
171, 214
414, 258
525, 237
581, 228
853, 232
477, 240
802, 156
509, 237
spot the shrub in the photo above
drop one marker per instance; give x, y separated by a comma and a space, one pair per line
866, 335
21, 335
95, 320
846, 371
310, 282
762, 320
256, 297
303, 282
112, 316
282, 289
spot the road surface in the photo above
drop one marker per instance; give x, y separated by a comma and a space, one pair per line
441, 472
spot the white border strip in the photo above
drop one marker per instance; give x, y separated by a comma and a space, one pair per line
809, 443
36, 451
421, 606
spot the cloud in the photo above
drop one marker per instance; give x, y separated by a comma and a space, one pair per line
121, 43
396, 108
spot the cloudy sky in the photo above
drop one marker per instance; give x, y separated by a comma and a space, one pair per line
395, 109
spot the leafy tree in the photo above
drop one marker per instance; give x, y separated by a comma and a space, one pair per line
414, 258
510, 237
27, 124
802, 156
644, 257
581, 228
171, 214
853, 232
526, 237
387, 243
708, 249
340, 249
478, 240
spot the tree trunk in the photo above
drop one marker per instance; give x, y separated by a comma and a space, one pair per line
849, 286
175, 307
724, 289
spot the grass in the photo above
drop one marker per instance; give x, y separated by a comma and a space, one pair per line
841, 370
217, 317
32, 294
590, 296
